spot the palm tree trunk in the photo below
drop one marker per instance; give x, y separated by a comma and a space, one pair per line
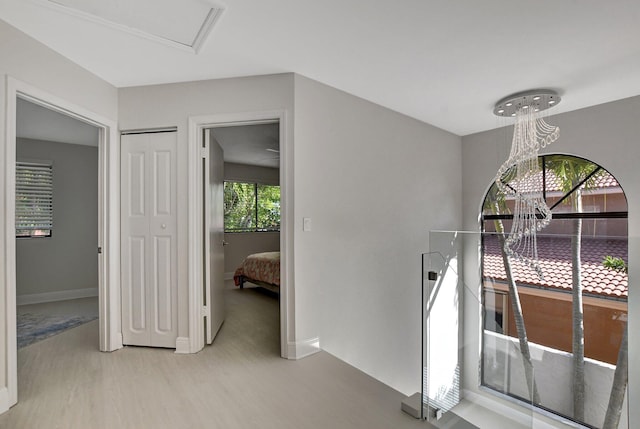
577, 317
518, 317
619, 387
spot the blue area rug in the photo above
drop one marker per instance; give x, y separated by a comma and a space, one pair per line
36, 327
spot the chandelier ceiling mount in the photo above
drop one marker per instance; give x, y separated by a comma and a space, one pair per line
537, 100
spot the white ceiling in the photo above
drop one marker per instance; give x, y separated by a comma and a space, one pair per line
39, 123
445, 62
250, 144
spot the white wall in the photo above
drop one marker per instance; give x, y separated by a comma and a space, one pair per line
553, 370
171, 105
29, 61
242, 244
607, 134
251, 173
374, 183
67, 260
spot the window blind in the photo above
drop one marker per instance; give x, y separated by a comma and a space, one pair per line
34, 199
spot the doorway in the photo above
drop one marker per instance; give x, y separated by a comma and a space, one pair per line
56, 222
107, 253
243, 205
197, 126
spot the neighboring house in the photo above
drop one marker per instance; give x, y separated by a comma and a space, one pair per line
546, 304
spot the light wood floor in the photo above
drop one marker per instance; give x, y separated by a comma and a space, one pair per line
238, 382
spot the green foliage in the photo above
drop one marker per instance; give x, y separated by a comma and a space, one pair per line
251, 207
268, 208
570, 170
239, 206
614, 263
495, 202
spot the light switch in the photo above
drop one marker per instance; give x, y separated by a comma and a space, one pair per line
306, 224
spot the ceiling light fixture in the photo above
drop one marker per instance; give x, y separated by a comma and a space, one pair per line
520, 173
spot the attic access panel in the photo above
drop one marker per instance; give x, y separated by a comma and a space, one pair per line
181, 24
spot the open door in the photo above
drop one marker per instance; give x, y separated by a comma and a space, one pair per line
214, 236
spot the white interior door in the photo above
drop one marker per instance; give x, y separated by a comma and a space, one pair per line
148, 234
214, 236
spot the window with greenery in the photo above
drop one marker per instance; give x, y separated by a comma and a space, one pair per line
251, 207
561, 339
34, 199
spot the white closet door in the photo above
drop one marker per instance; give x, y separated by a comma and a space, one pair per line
149, 254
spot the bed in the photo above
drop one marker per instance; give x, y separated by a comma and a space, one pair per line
262, 269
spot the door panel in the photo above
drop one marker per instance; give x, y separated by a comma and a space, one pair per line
136, 285
163, 283
162, 194
136, 183
149, 225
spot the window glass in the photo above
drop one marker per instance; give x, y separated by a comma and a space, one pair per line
251, 207
239, 206
268, 208
34, 199
588, 201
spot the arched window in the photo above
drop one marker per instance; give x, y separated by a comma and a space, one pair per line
583, 248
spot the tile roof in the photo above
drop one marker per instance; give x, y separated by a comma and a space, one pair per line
554, 254
603, 180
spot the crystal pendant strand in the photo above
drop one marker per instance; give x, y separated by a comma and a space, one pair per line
520, 178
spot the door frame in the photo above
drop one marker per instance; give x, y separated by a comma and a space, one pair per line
197, 124
108, 223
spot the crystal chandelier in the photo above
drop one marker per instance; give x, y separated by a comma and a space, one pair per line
520, 178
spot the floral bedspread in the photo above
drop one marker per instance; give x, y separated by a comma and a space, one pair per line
260, 266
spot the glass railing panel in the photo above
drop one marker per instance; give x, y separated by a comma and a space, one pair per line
455, 355
441, 312
452, 364
480, 365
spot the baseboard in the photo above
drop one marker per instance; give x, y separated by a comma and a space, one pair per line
182, 345
229, 275
302, 349
61, 295
4, 400
412, 404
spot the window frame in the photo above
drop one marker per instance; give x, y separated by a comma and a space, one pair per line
484, 219
585, 215
256, 228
